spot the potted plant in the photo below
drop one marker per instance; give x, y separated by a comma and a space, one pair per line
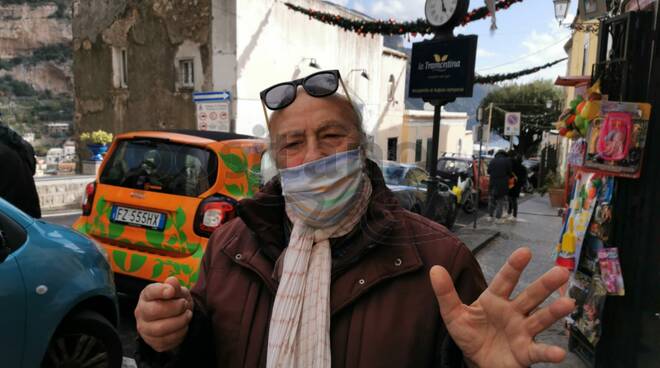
554, 186
97, 143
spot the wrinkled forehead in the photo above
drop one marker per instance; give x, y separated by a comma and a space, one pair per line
336, 106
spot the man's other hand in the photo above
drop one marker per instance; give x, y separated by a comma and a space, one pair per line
497, 331
163, 313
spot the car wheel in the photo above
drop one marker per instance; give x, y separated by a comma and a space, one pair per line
84, 340
469, 205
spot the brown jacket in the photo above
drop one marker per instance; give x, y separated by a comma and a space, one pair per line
384, 311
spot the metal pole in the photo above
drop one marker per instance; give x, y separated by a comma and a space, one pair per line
478, 178
433, 167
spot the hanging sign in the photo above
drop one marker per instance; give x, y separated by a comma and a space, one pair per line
213, 112
512, 124
443, 68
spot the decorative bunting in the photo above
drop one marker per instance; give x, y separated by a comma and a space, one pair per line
496, 78
391, 27
585, 27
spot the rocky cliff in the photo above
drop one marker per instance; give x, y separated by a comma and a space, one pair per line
35, 44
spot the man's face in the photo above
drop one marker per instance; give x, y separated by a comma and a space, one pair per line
312, 128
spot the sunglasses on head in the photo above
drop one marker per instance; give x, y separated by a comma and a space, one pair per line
321, 84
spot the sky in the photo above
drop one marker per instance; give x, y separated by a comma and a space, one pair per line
528, 34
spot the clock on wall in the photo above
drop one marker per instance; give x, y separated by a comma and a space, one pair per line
445, 13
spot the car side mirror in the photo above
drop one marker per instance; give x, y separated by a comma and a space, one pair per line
4, 250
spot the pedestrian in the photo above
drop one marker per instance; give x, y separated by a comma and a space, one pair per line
17, 168
324, 268
500, 171
520, 176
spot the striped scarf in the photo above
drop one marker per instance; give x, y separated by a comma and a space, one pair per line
299, 334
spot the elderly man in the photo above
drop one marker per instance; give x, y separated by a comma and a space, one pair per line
323, 268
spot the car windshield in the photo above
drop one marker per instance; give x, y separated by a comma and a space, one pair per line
394, 175
161, 166
453, 165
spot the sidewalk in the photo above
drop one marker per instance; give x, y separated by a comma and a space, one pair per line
538, 227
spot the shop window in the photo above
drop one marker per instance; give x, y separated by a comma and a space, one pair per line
187, 73
418, 150
120, 67
391, 148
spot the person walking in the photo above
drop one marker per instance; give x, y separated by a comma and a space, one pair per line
18, 165
520, 175
500, 171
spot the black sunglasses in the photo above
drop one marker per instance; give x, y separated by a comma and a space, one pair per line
319, 84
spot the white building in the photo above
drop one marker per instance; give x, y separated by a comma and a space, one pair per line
156, 56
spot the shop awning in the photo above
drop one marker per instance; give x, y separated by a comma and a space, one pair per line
572, 81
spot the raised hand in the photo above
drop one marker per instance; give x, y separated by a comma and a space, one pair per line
497, 331
163, 314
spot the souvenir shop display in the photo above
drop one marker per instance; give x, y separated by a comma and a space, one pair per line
575, 121
586, 189
584, 245
610, 270
577, 151
616, 139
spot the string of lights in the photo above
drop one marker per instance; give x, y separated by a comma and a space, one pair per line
392, 27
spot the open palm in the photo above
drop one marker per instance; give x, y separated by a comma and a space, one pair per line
497, 331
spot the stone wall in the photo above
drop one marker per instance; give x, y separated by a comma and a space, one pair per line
62, 193
152, 32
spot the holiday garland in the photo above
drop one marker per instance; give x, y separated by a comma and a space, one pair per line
392, 27
496, 78
585, 27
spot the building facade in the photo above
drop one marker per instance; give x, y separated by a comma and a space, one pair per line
138, 63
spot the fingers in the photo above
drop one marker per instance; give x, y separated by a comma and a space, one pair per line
443, 286
547, 316
540, 289
546, 353
174, 289
162, 328
161, 309
169, 289
507, 278
168, 342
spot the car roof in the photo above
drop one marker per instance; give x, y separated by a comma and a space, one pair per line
14, 213
216, 136
394, 163
194, 136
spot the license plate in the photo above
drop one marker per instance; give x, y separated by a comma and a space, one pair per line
136, 217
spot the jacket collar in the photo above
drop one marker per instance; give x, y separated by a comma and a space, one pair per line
265, 216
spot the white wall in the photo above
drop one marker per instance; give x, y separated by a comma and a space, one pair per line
272, 42
389, 122
419, 125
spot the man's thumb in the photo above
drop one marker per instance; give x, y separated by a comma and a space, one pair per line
444, 290
172, 288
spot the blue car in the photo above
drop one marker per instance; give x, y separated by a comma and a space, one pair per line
58, 306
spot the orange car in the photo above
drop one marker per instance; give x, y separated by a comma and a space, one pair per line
159, 196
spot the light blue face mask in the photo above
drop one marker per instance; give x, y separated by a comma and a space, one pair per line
320, 192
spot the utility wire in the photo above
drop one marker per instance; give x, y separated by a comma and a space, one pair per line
525, 56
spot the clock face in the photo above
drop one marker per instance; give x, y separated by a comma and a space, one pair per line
440, 12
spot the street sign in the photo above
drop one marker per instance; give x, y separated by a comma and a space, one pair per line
512, 123
443, 68
211, 96
213, 111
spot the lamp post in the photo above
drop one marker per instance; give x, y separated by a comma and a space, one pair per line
561, 9
363, 73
